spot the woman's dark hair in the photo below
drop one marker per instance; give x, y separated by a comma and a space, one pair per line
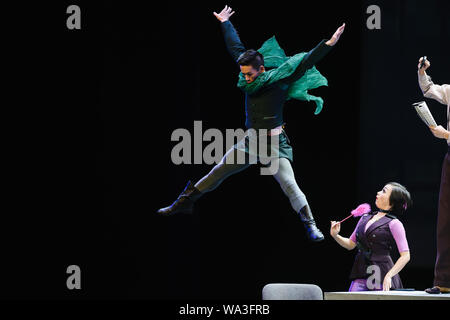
400, 198
251, 58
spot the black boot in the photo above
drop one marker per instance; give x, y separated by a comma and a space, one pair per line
184, 202
313, 233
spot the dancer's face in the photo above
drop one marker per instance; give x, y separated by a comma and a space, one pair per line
383, 196
251, 73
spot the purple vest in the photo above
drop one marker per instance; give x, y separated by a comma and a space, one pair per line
374, 248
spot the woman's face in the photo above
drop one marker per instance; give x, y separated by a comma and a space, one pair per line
382, 200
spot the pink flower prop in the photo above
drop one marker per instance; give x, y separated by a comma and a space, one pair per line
362, 209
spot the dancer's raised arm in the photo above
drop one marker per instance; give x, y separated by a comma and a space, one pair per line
315, 55
232, 40
440, 93
429, 89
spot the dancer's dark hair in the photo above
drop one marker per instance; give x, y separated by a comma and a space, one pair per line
400, 198
251, 58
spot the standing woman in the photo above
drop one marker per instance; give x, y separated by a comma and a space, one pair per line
440, 93
375, 235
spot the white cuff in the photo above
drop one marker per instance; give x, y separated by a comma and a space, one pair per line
424, 82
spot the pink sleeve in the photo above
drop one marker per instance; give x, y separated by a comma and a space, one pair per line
353, 236
398, 232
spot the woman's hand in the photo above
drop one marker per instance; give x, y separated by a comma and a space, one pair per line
440, 132
398, 266
387, 282
335, 38
426, 65
335, 228
225, 14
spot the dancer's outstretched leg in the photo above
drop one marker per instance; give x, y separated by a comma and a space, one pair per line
286, 179
229, 165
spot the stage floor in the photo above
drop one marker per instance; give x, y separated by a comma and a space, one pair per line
385, 295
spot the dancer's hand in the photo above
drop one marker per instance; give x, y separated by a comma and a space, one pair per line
335, 38
426, 65
225, 14
387, 282
440, 132
335, 228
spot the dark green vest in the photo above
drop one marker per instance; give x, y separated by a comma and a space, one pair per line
264, 109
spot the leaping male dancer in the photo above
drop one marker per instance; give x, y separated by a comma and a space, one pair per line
265, 94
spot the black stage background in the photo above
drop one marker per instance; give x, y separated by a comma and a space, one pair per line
116, 90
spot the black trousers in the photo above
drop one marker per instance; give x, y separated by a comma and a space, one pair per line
442, 268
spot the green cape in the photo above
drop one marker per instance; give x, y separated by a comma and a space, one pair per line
274, 57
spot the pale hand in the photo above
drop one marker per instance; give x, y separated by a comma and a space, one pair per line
225, 14
440, 132
335, 228
335, 38
426, 65
387, 283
